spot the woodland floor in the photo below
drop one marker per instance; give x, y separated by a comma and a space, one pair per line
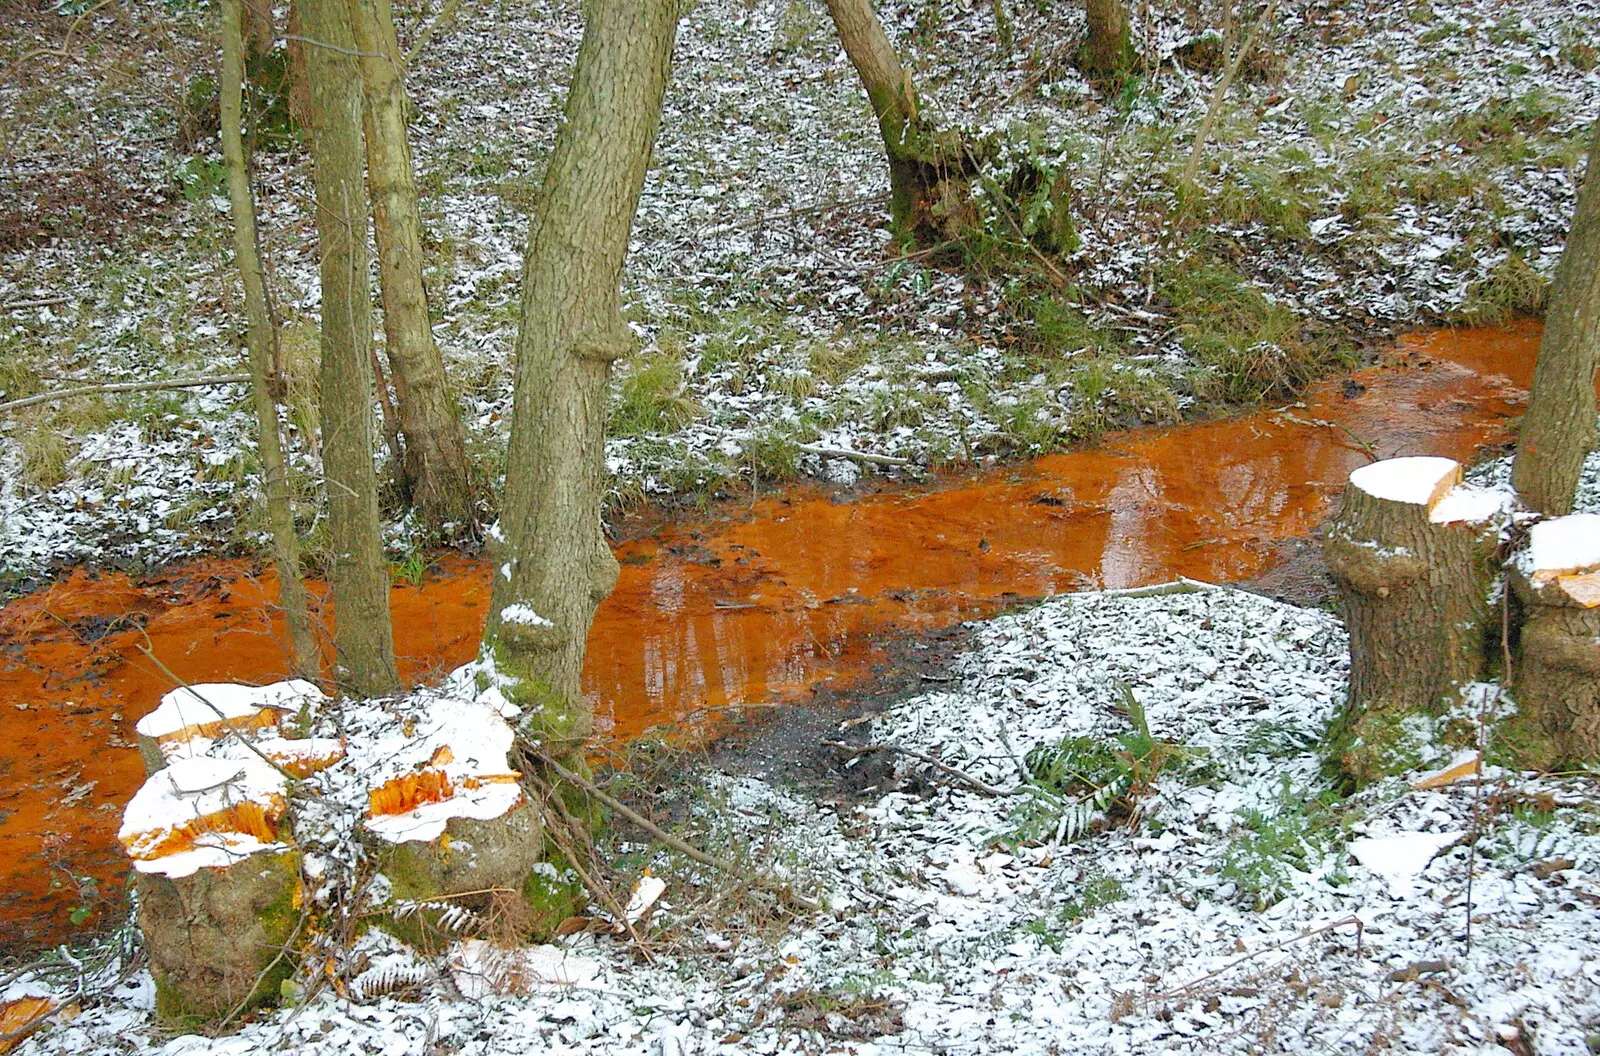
1387, 166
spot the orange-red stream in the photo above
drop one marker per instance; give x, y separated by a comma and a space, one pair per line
751, 605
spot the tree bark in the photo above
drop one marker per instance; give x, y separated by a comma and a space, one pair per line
553, 565
261, 337
1556, 673
362, 635
1107, 49
1414, 594
430, 418
1558, 430
930, 194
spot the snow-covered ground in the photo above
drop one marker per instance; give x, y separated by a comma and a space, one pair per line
1393, 165
1220, 898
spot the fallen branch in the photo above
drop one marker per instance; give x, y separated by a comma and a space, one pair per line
825, 207
1184, 989
960, 775
839, 452
125, 386
35, 302
723, 865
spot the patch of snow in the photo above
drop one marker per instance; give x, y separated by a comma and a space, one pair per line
1416, 479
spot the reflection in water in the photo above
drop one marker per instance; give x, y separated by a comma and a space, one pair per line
760, 604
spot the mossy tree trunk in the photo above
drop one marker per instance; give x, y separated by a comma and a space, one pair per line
362, 635
261, 338
929, 170
1107, 48
1414, 595
436, 468
553, 565
1558, 430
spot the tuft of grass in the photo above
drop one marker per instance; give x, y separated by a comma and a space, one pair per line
1251, 343
651, 400
1514, 288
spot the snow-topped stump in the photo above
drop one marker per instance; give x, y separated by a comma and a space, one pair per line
1556, 577
189, 718
447, 820
217, 878
1412, 549
208, 833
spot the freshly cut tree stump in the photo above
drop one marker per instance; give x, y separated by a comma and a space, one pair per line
1556, 679
1412, 550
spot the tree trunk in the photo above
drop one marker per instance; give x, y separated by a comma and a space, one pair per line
929, 171
1107, 49
1415, 589
430, 418
1558, 430
554, 567
1556, 674
362, 634
261, 337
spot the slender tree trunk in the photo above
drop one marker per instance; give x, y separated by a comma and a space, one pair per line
260, 337
1107, 49
1558, 430
362, 634
929, 171
430, 417
554, 567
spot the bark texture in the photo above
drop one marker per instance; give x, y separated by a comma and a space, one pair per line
503, 860
261, 339
362, 635
436, 467
213, 937
1415, 603
1107, 49
554, 567
929, 170
1556, 676
1558, 430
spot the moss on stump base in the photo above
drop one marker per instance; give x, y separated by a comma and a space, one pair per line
501, 869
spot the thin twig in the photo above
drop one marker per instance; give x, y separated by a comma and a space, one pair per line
777, 887
283, 951
447, 15
65, 51
811, 210
237, 733
960, 775
1209, 121
1185, 988
334, 47
125, 386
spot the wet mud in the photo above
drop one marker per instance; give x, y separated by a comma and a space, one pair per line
757, 606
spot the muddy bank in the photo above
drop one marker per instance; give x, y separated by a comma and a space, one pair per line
756, 605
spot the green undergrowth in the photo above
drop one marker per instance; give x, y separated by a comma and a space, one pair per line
1303, 832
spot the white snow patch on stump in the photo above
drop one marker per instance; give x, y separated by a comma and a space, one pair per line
1421, 479
1562, 545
